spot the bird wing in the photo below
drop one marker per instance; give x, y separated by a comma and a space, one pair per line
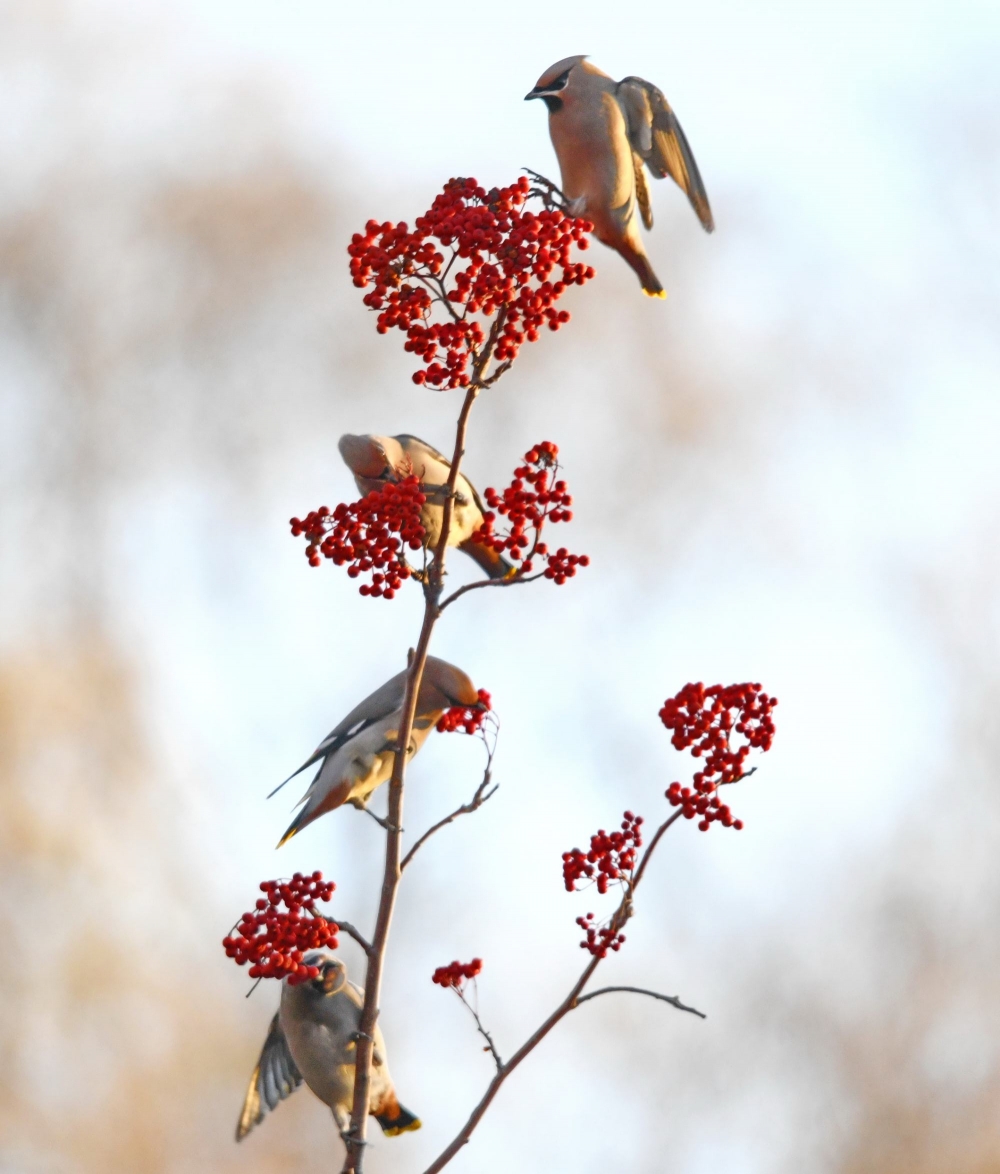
495, 565
411, 443
407, 441
656, 136
642, 191
385, 700
275, 1078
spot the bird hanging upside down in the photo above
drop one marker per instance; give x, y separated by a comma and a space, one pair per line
376, 459
604, 133
313, 1037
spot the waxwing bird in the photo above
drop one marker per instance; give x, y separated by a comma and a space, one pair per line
358, 754
376, 459
604, 133
313, 1038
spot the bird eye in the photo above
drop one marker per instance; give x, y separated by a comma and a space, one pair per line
558, 84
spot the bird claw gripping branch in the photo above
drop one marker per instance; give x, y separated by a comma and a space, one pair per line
550, 195
273, 940
535, 496
511, 255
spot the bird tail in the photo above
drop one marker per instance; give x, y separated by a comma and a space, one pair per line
316, 804
493, 564
290, 831
651, 286
394, 1119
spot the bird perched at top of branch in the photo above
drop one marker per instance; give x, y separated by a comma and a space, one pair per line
358, 754
313, 1038
376, 459
604, 133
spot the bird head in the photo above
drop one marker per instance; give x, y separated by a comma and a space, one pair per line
554, 81
332, 973
365, 456
449, 683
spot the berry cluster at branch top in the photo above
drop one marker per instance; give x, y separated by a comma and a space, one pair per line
611, 856
368, 535
535, 496
465, 717
273, 939
511, 255
456, 973
599, 939
705, 721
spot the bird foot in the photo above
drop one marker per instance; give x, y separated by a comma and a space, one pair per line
382, 823
553, 197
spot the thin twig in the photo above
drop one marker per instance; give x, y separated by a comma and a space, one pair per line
673, 1000
355, 1138
618, 920
467, 587
490, 1046
353, 933
477, 800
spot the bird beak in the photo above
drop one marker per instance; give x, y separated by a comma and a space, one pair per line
533, 94
478, 705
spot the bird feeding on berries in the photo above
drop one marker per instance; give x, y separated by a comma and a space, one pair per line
374, 460
358, 754
604, 133
313, 1037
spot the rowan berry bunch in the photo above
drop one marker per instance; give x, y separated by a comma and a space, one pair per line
511, 255
455, 973
611, 856
465, 717
535, 496
273, 940
368, 535
705, 721
599, 938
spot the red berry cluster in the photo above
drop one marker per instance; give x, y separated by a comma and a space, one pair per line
456, 973
705, 721
363, 535
465, 717
529, 509
506, 248
273, 939
599, 939
611, 856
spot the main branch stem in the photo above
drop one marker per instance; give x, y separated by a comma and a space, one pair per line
433, 586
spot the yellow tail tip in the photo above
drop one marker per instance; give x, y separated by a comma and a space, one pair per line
396, 1130
285, 838
655, 293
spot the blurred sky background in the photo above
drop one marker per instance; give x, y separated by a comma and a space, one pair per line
787, 472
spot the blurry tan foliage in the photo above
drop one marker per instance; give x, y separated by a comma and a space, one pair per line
142, 297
